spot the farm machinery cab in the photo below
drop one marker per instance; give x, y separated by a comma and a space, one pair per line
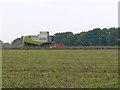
43, 39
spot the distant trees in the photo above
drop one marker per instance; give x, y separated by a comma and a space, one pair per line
64, 38
1, 43
6, 45
95, 37
17, 41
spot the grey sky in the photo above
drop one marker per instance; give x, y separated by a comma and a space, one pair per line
26, 17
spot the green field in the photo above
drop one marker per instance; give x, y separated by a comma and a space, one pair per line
60, 69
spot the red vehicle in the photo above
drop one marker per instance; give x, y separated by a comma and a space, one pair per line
58, 45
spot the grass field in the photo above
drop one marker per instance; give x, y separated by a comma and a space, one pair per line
60, 69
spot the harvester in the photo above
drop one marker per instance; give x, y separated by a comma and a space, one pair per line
43, 39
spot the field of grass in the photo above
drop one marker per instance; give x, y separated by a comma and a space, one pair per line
60, 69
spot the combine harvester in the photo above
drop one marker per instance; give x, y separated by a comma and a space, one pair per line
43, 39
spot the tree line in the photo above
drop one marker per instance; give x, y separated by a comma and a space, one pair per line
95, 37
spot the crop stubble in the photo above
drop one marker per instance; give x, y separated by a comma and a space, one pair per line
60, 68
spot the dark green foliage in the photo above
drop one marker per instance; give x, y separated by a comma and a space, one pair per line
118, 36
95, 37
1, 43
17, 41
6, 44
65, 38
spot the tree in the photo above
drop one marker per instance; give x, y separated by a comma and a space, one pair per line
6, 45
64, 38
1, 43
17, 41
95, 37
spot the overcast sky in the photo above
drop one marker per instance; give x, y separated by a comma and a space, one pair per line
25, 17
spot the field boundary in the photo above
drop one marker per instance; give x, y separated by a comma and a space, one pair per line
61, 48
